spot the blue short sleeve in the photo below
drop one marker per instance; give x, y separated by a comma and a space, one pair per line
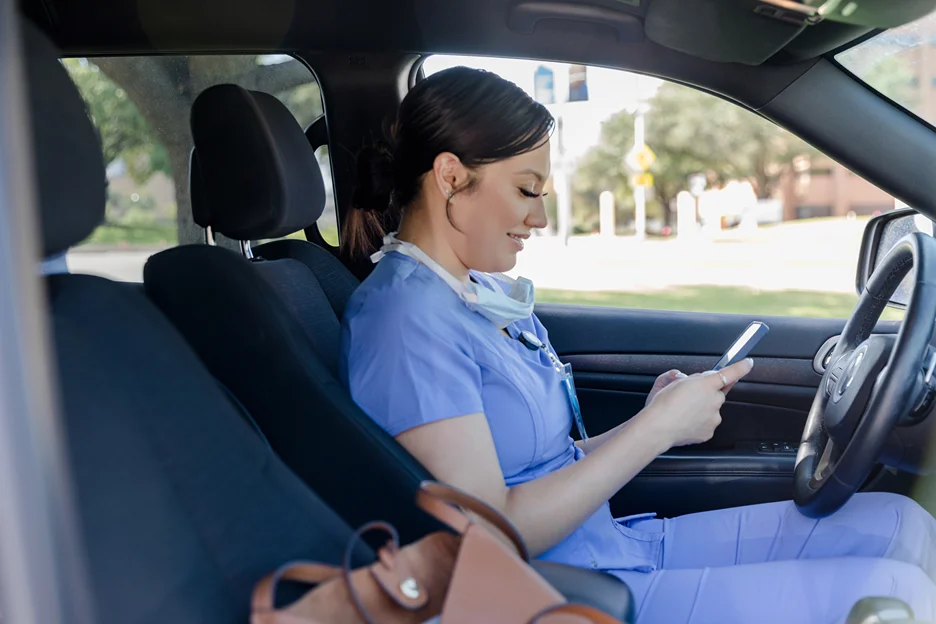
406, 364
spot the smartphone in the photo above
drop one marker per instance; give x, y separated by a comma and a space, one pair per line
743, 345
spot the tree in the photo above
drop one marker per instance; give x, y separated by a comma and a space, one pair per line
141, 107
124, 132
691, 131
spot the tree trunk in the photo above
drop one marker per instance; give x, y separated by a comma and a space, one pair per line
163, 90
667, 203
188, 231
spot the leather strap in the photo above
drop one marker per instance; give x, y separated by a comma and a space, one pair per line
590, 614
264, 594
438, 499
390, 572
346, 567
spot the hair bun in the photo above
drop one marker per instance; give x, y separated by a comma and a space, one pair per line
373, 188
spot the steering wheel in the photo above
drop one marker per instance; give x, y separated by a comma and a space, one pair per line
872, 383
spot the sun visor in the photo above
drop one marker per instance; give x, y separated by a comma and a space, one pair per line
868, 13
723, 31
752, 31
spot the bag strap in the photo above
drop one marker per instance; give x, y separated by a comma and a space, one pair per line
264, 594
590, 614
390, 572
438, 499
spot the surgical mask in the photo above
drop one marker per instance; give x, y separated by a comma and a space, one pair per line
500, 309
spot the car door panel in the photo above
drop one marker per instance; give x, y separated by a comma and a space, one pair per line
595, 330
617, 353
793, 397
744, 424
676, 484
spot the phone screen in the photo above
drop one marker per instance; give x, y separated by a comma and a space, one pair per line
743, 345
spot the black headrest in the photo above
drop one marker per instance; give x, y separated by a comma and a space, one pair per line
69, 164
253, 173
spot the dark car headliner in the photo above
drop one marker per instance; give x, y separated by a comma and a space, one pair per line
723, 30
722, 46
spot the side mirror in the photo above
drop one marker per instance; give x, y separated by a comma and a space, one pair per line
880, 235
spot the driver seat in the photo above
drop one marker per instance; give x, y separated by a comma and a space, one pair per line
267, 328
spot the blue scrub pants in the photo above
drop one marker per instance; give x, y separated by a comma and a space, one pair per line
768, 563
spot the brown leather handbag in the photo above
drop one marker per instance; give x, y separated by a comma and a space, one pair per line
466, 576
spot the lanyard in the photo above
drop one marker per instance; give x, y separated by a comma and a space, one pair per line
531, 342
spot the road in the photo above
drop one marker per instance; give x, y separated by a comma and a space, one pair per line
812, 256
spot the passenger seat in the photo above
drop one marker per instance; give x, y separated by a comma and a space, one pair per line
268, 327
263, 182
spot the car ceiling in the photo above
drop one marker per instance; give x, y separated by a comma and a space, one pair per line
721, 30
724, 46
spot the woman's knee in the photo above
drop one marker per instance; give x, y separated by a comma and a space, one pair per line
914, 537
912, 585
911, 515
903, 507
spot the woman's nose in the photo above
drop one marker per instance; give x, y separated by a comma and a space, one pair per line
537, 218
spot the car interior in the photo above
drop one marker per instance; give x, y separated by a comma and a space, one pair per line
172, 441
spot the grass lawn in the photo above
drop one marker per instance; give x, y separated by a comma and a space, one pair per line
724, 299
109, 234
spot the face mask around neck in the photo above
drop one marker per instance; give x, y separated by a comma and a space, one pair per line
499, 308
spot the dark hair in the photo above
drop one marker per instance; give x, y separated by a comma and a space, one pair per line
472, 113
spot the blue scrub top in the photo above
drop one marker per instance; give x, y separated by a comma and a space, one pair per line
413, 353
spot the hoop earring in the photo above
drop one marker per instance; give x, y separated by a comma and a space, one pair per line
448, 212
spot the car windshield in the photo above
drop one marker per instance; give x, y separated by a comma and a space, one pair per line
900, 64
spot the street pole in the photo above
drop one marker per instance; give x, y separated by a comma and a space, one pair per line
640, 196
639, 160
640, 191
563, 188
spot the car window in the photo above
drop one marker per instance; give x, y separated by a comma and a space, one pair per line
328, 222
140, 106
900, 64
714, 209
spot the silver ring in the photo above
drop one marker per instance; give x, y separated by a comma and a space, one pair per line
724, 381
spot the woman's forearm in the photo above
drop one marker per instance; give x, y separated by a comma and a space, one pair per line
548, 509
596, 441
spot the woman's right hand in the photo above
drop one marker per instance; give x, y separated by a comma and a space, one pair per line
687, 410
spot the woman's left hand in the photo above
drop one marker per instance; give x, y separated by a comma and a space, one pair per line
662, 381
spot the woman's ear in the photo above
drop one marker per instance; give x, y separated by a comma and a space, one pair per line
449, 173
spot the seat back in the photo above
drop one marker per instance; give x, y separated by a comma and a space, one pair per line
256, 347
182, 508
268, 328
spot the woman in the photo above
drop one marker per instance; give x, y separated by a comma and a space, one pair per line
450, 360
